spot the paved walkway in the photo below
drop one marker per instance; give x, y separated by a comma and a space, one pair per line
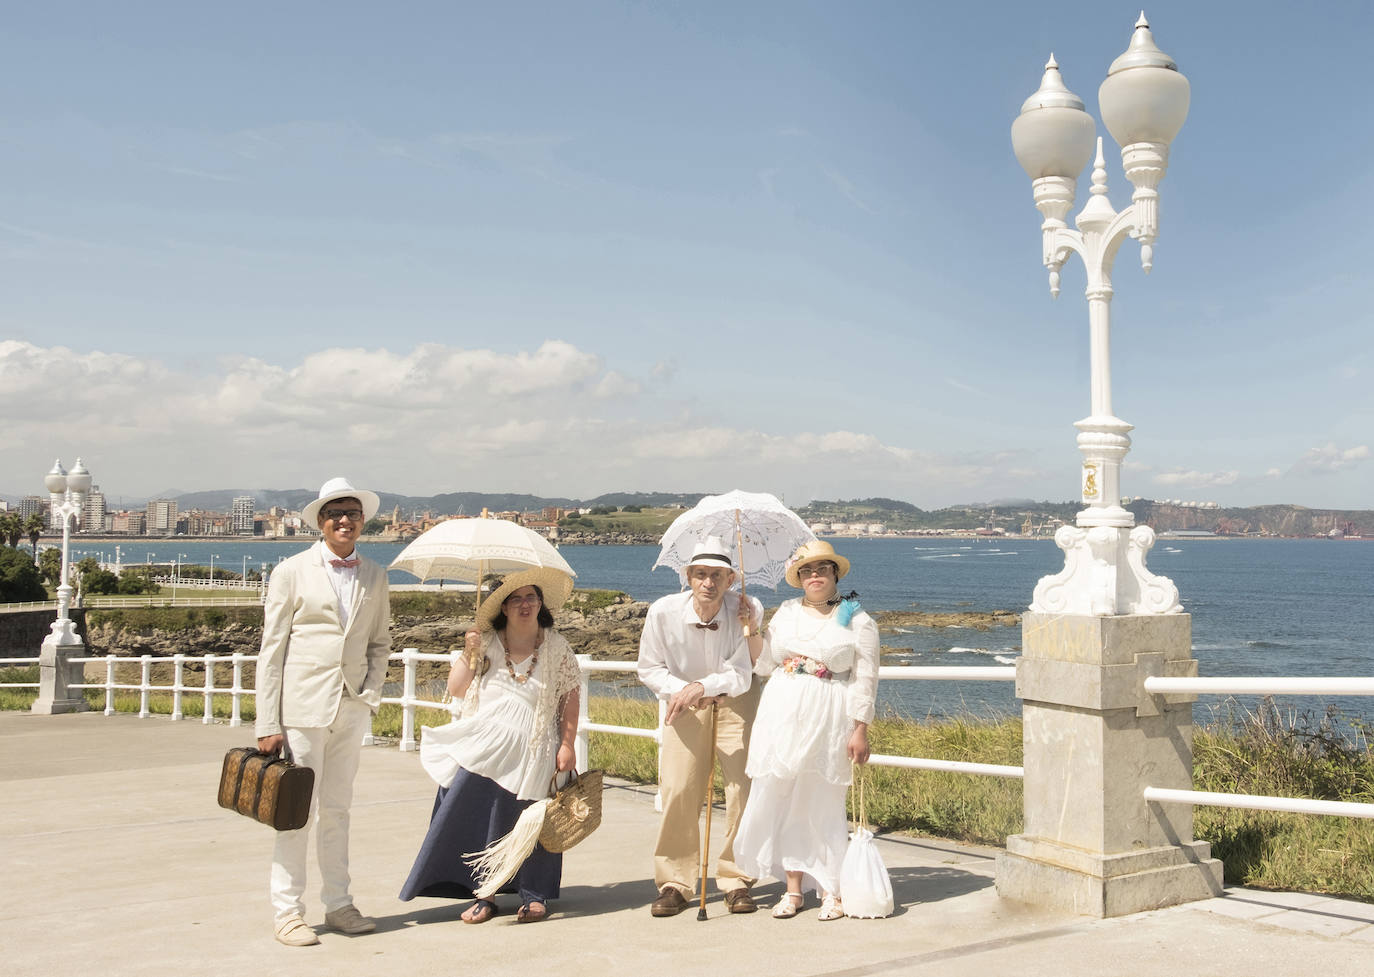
118, 861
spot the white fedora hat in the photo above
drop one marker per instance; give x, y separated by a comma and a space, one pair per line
340, 488
710, 552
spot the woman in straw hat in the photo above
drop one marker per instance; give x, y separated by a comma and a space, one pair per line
822, 653
519, 683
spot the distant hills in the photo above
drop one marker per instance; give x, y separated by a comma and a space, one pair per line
1011, 515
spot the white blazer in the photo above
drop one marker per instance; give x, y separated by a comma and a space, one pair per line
308, 659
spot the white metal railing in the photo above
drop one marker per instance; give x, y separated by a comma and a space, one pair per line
29, 605
1259, 802
1269, 685
165, 599
1282, 685
409, 700
18, 661
170, 600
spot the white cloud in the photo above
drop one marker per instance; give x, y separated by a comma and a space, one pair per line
1195, 479
1328, 459
552, 420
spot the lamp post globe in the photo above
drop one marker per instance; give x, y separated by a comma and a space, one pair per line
1144, 97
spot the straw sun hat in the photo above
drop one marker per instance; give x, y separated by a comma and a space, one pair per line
816, 551
556, 585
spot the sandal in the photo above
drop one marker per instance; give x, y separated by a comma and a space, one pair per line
788, 905
479, 912
830, 909
532, 912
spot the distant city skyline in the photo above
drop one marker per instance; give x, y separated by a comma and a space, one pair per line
568, 250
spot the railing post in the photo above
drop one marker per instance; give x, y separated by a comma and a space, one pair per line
178, 661
109, 685
208, 716
583, 749
235, 716
1094, 740
408, 701
145, 676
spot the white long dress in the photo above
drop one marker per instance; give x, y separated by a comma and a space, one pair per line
493, 740
798, 751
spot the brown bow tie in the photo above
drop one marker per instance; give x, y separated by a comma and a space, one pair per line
345, 564
709, 627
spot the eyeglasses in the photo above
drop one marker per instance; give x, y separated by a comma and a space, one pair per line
527, 599
815, 570
334, 515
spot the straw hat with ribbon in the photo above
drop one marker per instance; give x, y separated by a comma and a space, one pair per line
816, 551
556, 586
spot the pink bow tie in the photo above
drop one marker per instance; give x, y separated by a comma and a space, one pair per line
345, 564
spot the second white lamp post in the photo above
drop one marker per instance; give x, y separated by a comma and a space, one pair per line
1144, 101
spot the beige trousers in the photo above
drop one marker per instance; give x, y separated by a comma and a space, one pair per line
682, 789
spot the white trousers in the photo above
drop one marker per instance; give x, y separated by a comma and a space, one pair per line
332, 752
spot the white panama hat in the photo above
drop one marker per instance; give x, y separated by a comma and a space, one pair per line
710, 552
340, 488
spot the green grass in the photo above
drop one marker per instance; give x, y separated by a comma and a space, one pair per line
172, 618
651, 521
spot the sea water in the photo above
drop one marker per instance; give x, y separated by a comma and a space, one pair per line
1260, 607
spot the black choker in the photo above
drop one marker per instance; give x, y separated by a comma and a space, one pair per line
852, 595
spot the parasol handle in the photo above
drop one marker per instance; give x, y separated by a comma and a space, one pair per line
739, 546
477, 608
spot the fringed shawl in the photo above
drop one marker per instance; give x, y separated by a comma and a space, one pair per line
559, 673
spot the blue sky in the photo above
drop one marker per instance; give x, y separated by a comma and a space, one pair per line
570, 248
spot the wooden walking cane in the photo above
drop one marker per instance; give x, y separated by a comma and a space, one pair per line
710, 796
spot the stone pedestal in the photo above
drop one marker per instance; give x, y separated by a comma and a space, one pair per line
57, 673
1094, 740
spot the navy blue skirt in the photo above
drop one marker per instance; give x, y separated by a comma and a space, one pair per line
469, 815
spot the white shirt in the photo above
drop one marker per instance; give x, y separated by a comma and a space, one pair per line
673, 652
343, 579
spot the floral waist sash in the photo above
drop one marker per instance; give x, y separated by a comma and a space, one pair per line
800, 664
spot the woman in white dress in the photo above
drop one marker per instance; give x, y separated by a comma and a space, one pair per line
821, 652
518, 724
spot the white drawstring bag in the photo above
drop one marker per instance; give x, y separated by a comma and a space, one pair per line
865, 888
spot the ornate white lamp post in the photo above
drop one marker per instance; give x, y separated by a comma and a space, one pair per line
68, 491
1144, 101
1093, 738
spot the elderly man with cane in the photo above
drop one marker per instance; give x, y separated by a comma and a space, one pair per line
694, 654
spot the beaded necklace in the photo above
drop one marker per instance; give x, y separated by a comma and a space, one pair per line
522, 677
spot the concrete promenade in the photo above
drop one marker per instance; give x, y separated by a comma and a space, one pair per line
117, 860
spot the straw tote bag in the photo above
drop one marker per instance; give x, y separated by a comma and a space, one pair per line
573, 812
865, 887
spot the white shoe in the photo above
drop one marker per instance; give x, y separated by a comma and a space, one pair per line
292, 930
349, 920
830, 909
789, 904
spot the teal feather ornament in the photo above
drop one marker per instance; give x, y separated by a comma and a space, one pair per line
848, 608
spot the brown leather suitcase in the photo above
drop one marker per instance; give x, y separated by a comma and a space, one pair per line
267, 788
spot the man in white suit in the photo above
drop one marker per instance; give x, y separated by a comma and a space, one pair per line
325, 641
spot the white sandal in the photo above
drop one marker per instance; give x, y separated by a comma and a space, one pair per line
830, 909
788, 905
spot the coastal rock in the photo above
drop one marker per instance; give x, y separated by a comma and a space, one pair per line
978, 620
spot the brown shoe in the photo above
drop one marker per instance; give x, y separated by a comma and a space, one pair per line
740, 901
670, 902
